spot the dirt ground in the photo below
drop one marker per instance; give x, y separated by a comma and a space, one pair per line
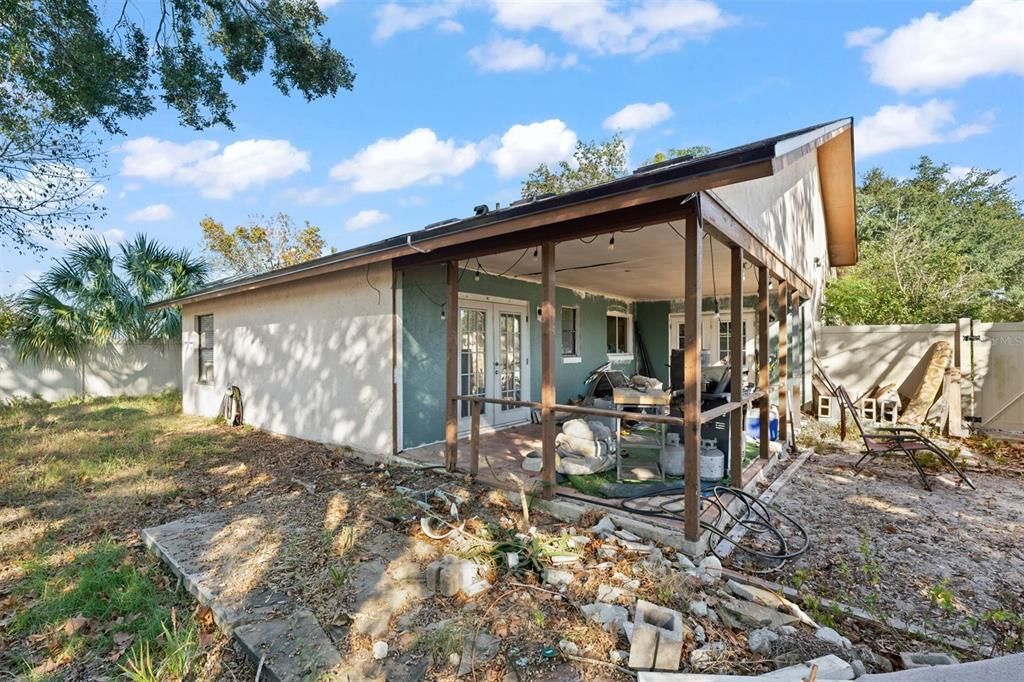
950, 560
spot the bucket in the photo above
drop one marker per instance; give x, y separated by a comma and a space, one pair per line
754, 424
672, 456
712, 461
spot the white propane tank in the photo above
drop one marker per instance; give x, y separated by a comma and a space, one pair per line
672, 456
712, 460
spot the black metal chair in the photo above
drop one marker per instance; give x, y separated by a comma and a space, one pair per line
900, 440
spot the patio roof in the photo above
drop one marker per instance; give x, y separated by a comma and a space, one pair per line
647, 185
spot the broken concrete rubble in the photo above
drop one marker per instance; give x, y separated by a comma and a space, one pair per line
755, 615
831, 636
450, 575
606, 615
926, 660
760, 640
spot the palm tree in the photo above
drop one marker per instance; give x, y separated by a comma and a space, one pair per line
92, 297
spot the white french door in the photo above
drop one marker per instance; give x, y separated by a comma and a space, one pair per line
494, 343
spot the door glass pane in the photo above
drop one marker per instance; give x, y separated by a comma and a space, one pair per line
724, 334
472, 356
510, 358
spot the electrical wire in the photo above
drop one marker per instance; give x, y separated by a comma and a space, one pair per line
371, 283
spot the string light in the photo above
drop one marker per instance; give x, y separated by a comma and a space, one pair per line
476, 277
611, 243
442, 311
535, 253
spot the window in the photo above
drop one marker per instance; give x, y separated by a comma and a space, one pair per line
724, 335
204, 326
570, 332
620, 335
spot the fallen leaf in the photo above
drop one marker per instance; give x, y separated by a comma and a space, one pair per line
206, 639
122, 640
75, 625
204, 617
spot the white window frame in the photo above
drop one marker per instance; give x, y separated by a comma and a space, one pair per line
628, 355
577, 356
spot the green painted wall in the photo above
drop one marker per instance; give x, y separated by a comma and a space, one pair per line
652, 320
423, 334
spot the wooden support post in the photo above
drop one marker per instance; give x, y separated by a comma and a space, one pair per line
762, 356
547, 366
737, 358
796, 415
693, 299
783, 363
474, 438
451, 312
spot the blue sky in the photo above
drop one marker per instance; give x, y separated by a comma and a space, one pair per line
455, 101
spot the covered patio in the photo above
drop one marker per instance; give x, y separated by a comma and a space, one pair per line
658, 255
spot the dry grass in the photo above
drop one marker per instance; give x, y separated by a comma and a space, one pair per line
79, 596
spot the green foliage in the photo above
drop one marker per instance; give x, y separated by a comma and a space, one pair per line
676, 152
933, 248
72, 68
9, 316
265, 244
592, 163
91, 297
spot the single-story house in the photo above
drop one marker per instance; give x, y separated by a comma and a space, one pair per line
482, 323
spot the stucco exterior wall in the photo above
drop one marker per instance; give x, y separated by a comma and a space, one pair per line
786, 211
423, 337
139, 369
312, 358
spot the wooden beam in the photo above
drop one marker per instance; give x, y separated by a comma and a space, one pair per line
474, 438
783, 362
762, 355
693, 298
737, 358
796, 415
622, 219
547, 366
451, 420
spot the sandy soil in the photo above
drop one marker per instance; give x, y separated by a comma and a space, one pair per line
951, 560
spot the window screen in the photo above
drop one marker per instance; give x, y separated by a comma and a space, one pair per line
204, 325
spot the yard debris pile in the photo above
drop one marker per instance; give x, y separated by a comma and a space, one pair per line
500, 600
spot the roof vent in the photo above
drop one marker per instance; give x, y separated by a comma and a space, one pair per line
481, 209
440, 223
521, 202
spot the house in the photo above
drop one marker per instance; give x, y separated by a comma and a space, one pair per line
480, 323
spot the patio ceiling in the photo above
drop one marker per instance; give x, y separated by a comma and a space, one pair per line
646, 265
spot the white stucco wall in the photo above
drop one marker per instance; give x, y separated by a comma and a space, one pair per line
115, 370
312, 358
786, 210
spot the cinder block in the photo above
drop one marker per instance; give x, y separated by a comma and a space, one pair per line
449, 575
657, 637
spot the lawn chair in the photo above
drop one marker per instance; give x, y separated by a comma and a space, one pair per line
897, 440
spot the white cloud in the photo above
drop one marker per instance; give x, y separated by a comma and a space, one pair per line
394, 18
325, 4
597, 27
903, 126
525, 146
365, 219
957, 173
237, 167
449, 26
638, 116
934, 52
864, 36
151, 213
396, 163
114, 235
503, 54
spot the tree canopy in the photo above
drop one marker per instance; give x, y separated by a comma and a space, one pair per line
70, 73
592, 163
92, 296
265, 244
934, 247
677, 152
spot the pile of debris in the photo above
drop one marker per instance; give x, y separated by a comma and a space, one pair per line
656, 608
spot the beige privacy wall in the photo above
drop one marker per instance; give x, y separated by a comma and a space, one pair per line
786, 211
862, 357
313, 358
117, 369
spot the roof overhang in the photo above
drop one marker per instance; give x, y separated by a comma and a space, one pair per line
649, 186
